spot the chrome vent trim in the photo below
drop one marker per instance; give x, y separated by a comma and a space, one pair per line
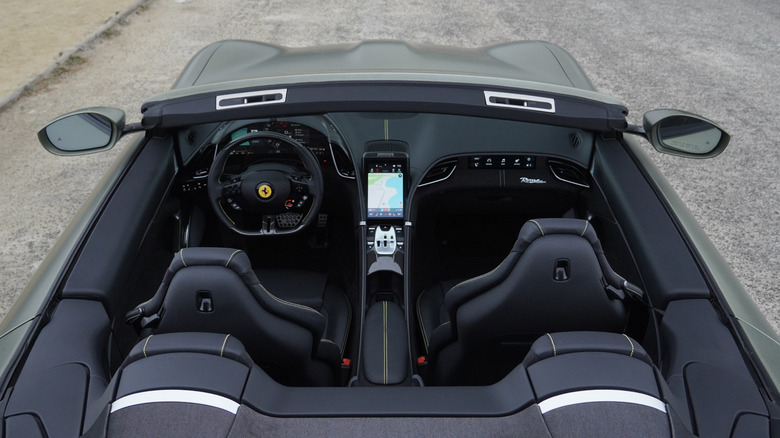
341, 163
520, 101
568, 174
446, 168
252, 98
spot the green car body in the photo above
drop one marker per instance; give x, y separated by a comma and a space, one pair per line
241, 76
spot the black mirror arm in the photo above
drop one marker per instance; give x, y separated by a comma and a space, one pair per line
132, 127
636, 130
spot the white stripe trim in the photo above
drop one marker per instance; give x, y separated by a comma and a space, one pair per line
601, 395
175, 396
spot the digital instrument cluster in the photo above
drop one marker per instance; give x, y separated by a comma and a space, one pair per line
312, 139
257, 149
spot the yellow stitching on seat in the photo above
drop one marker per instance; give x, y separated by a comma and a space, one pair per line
147, 341
328, 340
538, 226
384, 332
632, 345
223, 345
279, 300
181, 256
230, 259
555, 351
585, 229
422, 325
475, 278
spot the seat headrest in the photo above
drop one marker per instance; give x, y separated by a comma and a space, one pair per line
538, 228
190, 342
233, 259
558, 344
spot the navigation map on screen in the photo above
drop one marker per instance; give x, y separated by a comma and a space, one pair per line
386, 194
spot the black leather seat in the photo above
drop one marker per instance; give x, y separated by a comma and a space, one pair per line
556, 278
598, 384
297, 334
174, 385
584, 384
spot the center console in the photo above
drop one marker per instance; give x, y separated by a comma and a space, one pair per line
385, 341
386, 184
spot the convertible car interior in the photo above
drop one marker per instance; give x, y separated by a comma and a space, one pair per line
346, 268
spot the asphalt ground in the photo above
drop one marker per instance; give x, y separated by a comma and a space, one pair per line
717, 58
34, 33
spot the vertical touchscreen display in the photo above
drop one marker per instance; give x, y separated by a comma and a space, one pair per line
385, 192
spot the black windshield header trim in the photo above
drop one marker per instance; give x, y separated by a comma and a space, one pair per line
414, 97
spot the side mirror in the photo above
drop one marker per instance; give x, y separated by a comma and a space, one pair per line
680, 133
83, 132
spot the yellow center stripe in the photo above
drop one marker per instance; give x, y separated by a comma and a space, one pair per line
384, 323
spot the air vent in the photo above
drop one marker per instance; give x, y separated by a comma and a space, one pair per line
568, 173
239, 100
341, 160
520, 101
576, 140
439, 172
191, 137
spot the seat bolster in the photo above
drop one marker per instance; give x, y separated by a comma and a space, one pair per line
207, 343
429, 310
466, 290
305, 316
327, 351
441, 336
296, 286
338, 315
557, 344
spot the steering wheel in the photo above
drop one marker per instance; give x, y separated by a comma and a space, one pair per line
279, 198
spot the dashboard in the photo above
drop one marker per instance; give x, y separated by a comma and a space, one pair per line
490, 156
259, 150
